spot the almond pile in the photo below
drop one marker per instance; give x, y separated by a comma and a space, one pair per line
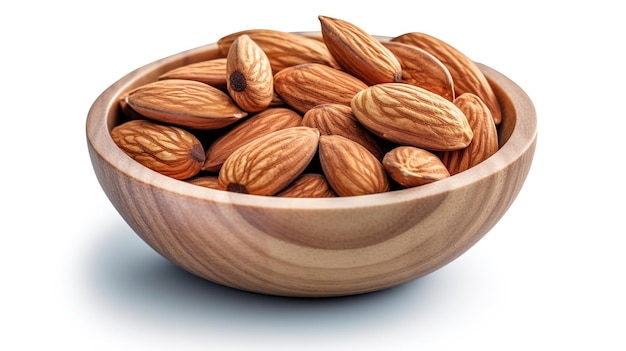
293, 115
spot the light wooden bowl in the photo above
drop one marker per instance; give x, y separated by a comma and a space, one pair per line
311, 247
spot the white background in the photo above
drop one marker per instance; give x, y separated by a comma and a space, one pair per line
550, 275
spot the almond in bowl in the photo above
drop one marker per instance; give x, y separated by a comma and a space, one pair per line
405, 180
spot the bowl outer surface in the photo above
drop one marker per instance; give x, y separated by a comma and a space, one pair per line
310, 247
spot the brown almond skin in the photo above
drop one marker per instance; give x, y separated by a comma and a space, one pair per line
468, 78
249, 77
262, 123
410, 166
409, 115
205, 181
485, 141
184, 103
211, 72
277, 101
308, 185
422, 69
359, 53
338, 119
283, 49
171, 151
307, 85
350, 169
270, 163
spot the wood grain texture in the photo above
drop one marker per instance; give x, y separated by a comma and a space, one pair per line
311, 247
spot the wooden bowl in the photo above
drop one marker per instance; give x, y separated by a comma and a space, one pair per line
310, 247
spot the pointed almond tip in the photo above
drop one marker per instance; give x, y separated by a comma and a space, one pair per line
397, 77
325, 19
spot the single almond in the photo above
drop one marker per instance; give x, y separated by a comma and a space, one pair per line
171, 151
211, 72
308, 185
350, 168
359, 53
409, 115
269, 163
468, 78
410, 166
485, 141
184, 103
255, 126
284, 49
338, 119
249, 78
422, 69
304, 86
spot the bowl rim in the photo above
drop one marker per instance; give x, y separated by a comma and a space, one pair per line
522, 138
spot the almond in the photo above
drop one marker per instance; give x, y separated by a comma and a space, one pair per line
485, 141
349, 168
211, 72
283, 49
338, 119
410, 166
304, 86
249, 78
171, 151
422, 69
262, 123
269, 163
184, 103
468, 78
409, 115
359, 53
308, 185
